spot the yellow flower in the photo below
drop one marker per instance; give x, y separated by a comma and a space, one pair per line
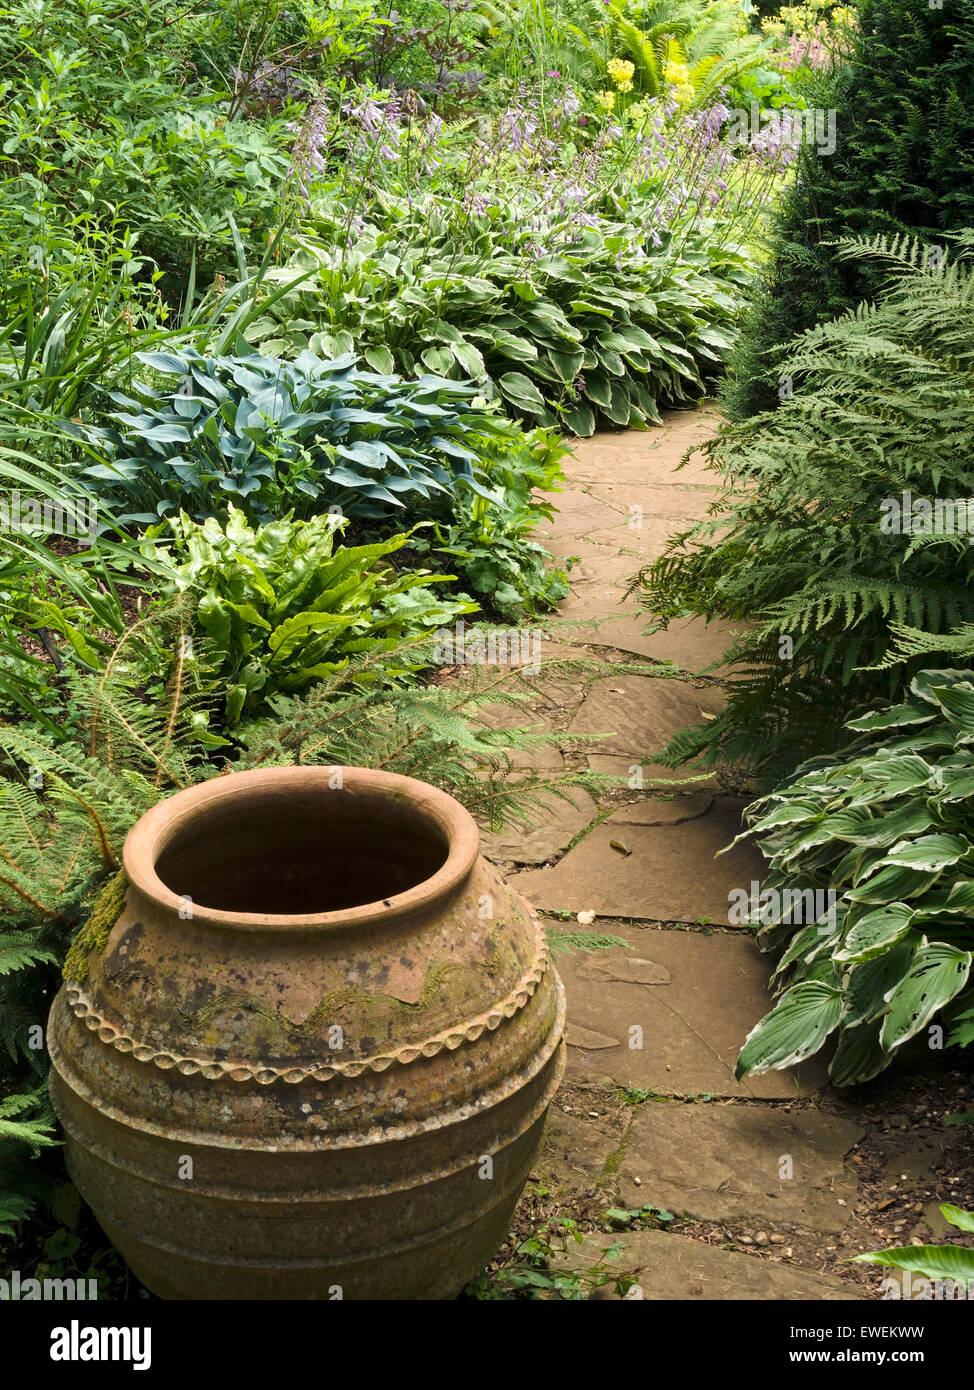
678, 74
622, 72
606, 100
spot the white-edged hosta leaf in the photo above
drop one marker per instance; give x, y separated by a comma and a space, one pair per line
930, 853
794, 1029
927, 684
893, 717
859, 1055
892, 884
875, 933
938, 972
869, 982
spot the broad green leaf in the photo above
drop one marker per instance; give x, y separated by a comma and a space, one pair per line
938, 973
875, 933
963, 1220
953, 1262
794, 1029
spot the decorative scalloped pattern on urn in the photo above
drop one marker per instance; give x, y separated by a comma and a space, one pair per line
448, 1040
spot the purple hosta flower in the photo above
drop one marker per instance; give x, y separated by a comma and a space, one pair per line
516, 128
310, 145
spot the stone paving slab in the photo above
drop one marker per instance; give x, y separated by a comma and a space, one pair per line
729, 1163
646, 544
672, 1268
669, 810
692, 1028
641, 713
517, 844
577, 1149
671, 873
651, 455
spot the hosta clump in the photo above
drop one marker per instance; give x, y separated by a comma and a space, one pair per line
271, 435
579, 324
888, 827
283, 606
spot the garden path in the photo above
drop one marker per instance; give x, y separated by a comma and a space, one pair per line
757, 1171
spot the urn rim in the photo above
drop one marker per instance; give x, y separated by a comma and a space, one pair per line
159, 827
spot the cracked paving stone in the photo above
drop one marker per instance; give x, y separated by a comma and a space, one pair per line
640, 714
679, 1038
671, 874
523, 845
737, 1164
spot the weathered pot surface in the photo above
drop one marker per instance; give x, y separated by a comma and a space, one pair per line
306, 1045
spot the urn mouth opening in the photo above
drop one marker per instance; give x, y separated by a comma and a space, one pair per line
302, 847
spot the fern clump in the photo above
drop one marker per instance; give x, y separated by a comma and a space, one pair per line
798, 548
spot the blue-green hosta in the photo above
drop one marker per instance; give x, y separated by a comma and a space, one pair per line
271, 436
888, 826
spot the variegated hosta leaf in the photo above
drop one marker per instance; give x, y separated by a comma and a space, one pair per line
894, 717
868, 982
794, 1029
875, 933
939, 971
859, 1055
930, 853
928, 684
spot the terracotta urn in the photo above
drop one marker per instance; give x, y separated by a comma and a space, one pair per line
305, 1046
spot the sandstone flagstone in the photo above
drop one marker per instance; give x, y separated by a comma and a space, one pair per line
671, 873
641, 713
739, 1163
689, 1031
672, 1268
562, 821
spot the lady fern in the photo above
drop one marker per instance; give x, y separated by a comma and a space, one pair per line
877, 404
